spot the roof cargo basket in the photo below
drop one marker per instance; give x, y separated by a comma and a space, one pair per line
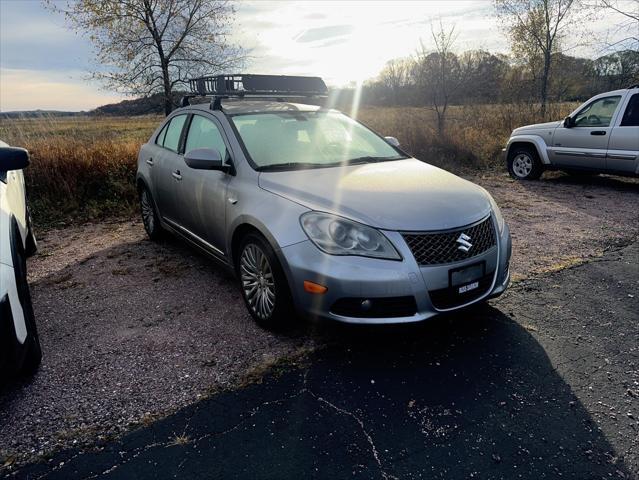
262, 86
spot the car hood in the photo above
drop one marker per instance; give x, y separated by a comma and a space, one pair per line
536, 126
394, 195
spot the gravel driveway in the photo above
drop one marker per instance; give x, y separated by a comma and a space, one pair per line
132, 330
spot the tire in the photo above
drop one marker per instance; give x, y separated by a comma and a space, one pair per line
150, 217
269, 299
524, 164
32, 349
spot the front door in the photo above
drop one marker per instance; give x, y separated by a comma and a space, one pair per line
202, 193
584, 145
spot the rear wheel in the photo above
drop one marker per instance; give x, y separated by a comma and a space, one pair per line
150, 217
524, 164
264, 286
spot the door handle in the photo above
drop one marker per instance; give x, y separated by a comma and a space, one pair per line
176, 174
149, 162
598, 132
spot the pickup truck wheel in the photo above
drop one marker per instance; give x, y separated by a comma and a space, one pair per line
524, 164
150, 217
263, 283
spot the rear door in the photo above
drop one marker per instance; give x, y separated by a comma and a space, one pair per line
584, 146
167, 164
623, 148
202, 193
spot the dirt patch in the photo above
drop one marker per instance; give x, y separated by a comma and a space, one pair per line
562, 220
132, 330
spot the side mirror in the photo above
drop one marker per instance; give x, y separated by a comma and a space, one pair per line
392, 141
205, 159
569, 122
13, 158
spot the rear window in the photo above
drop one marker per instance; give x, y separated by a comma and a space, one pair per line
631, 115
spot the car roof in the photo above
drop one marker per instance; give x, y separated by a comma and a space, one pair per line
234, 107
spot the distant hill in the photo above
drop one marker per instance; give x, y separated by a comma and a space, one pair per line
39, 113
138, 106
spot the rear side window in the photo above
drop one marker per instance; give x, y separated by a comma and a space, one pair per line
631, 115
173, 133
160, 138
203, 133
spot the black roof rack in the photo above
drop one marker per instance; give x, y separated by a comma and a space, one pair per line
254, 86
636, 85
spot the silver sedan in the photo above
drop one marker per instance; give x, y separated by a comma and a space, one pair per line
320, 216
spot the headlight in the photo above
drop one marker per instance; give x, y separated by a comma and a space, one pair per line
339, 236
498, 216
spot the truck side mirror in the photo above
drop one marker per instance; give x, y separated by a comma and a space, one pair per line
569, 122
13, 158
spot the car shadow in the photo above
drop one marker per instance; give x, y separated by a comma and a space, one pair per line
617, 183
471, 395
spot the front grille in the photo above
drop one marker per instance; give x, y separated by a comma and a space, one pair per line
433, 248
380, 307
450, 297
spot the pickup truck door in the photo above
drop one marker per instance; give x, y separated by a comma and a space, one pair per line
623, 147
584, 145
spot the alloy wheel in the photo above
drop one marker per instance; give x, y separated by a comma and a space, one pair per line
522, 165
258, 282
148, 215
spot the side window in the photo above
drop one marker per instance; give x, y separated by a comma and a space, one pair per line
203, 133
631, 115
173, 132
598, 113
160, 138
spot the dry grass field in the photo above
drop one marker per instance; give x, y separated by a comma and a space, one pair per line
83, 168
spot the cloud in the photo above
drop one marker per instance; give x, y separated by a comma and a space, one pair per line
324, 33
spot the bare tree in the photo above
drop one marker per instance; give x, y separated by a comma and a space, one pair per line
394, 76
438, 72
628, 25
149, 46
536, 29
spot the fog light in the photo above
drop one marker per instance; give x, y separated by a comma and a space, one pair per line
366, 305
312, 287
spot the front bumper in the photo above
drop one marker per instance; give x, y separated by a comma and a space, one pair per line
360, 278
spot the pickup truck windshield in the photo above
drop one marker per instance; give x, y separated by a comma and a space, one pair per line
296, 140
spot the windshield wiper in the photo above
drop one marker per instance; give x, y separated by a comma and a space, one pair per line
371, 159
285, 166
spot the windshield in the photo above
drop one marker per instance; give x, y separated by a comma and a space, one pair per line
291, 140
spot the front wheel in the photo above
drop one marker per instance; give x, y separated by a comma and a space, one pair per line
524, 164
264, 286
32, 350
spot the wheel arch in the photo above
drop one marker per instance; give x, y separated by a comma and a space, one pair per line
243, 228
529, 141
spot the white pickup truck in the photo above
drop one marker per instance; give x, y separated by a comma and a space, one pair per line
601, 136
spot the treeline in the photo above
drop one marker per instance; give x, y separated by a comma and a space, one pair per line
476, 77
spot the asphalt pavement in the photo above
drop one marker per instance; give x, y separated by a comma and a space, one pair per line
543, 383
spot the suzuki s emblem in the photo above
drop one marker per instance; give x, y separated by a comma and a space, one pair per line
464, 243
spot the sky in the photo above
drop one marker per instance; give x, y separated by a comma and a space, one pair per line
43, 65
